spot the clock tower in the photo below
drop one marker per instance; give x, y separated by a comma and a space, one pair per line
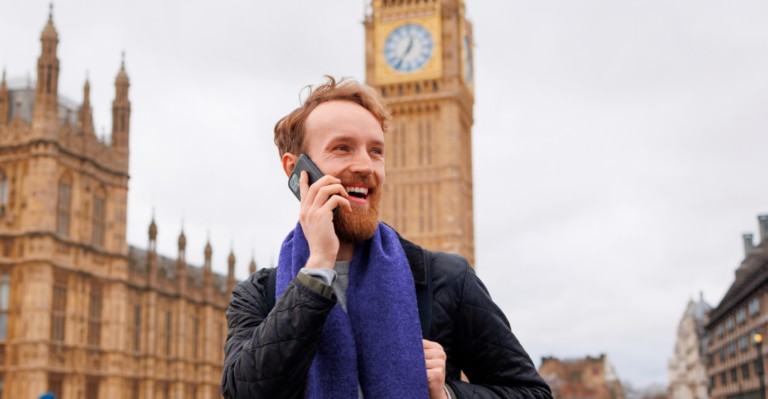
419, 57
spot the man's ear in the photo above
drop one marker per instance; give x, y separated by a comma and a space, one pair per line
289, 162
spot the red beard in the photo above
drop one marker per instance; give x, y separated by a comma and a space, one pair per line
360, 224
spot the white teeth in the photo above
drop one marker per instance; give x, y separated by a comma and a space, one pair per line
359, 190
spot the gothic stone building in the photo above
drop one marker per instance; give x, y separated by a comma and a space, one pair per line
419, 57
687, 367
81, 313
588, 378
733, 361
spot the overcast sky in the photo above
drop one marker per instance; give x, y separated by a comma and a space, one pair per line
620, 147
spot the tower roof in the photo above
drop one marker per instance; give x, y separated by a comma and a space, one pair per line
750, 276
252, 266
153, 230
49, 32
182, 240
699, 310
208, 250
122, 76
4, 87
231, 258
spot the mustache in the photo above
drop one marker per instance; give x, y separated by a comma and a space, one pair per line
359, 179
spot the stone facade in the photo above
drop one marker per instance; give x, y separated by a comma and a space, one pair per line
82, 314
588, 378
734, 365
687, 367
428, 193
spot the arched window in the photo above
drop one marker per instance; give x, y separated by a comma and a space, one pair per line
3, 193
136, 322
99, 212
94, 314
64, 207
58, 313
168, 333
5, 287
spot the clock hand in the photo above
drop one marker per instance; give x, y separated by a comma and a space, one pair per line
405, 53
409, 47
399, 62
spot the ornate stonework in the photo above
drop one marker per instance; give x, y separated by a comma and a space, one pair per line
81, 313
419, 56
687, 367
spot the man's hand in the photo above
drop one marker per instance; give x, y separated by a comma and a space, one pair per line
316, 217
435, 357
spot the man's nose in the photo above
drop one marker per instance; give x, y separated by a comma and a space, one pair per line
362, 163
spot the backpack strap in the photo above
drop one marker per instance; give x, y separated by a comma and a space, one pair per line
424, 297
270, 295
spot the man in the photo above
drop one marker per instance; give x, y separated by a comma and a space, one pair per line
345, 322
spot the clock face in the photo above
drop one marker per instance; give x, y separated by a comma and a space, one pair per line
408, 48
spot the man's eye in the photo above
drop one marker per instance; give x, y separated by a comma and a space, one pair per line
377, 151
341, 148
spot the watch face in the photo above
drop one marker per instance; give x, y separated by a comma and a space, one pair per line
408, 48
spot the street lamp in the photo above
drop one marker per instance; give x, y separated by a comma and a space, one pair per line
758, 340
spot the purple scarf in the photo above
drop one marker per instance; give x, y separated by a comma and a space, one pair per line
378, 340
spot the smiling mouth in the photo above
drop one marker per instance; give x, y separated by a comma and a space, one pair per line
357, 192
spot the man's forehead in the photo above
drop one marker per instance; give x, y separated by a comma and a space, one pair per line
342, 120
336, 109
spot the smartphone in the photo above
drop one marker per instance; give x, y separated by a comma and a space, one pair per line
303, 163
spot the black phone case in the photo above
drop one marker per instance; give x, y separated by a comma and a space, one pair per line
303, 163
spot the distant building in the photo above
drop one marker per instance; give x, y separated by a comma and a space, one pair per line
687, 367
733, 361
81, 314
588, 378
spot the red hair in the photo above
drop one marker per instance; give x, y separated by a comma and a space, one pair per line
289, 131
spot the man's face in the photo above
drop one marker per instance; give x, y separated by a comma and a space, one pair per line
346, 141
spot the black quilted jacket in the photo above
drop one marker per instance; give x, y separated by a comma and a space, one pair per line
268, 355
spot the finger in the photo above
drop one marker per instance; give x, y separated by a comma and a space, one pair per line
431, 344
327, 180
435, 364
322, 182
324, 194
435, 356
433, 350
311, 190
314, 187
303, 184
338, 201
